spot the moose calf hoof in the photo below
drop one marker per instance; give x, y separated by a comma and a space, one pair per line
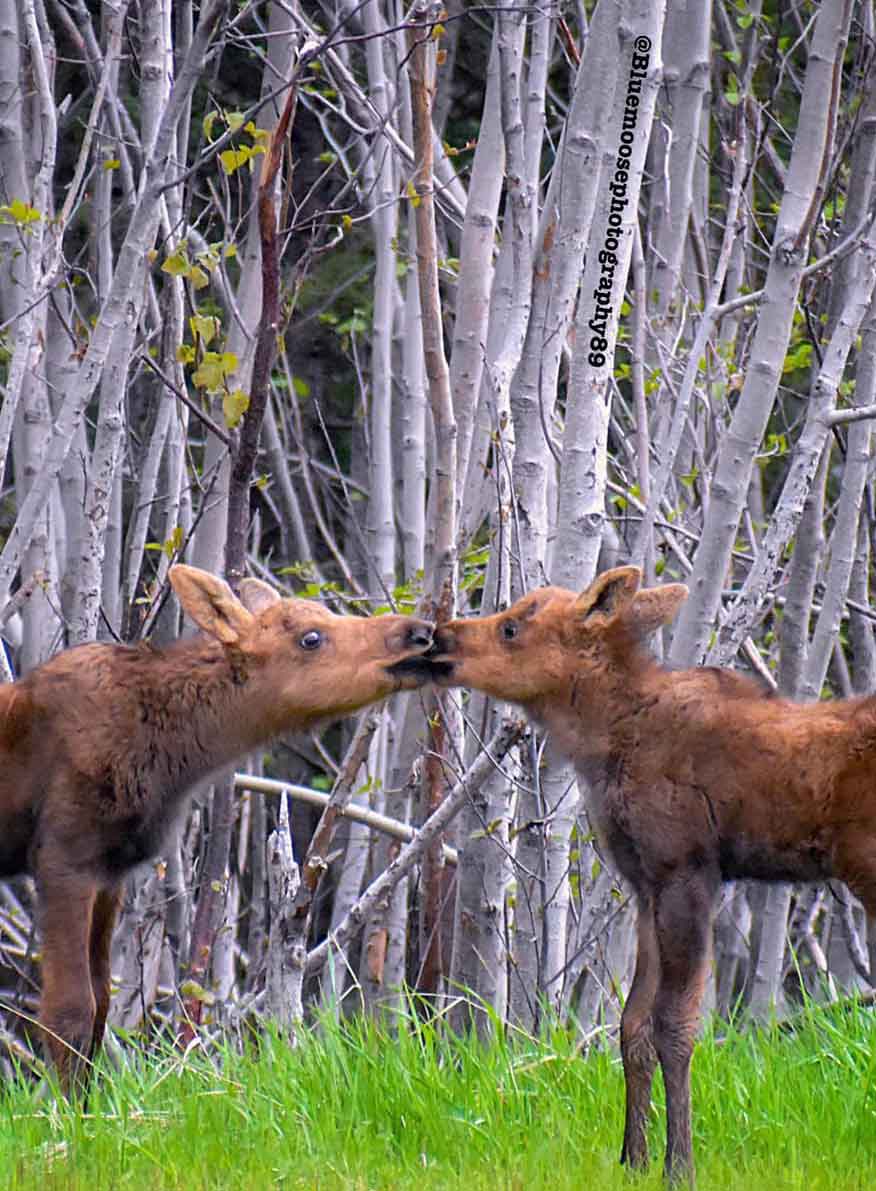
679, 1174
68, 1048
635, 1158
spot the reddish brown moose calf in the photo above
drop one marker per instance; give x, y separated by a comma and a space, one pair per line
694, 777
100, 745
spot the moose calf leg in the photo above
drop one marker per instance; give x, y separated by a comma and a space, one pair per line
637, 1041
103, 919
683, 920
67, 1007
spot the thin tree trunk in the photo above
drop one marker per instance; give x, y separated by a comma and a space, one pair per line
809, 162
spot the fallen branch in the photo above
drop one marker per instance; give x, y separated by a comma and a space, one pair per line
358, 814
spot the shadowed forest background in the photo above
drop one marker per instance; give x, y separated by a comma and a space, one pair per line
536, 289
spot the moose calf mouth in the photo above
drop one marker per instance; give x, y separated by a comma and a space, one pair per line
423, 667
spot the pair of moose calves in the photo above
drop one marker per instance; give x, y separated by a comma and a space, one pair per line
694, 777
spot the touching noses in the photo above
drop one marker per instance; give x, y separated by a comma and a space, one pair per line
411, 635
444, 640
418, 635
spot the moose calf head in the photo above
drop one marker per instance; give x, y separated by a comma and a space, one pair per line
535, 651
316, 665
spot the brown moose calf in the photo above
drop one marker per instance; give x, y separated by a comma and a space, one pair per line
694, 777
100, 745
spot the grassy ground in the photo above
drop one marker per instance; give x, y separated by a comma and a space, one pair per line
358, 1110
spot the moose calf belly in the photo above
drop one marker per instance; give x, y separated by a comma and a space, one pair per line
130, 841
16, 837
744, 856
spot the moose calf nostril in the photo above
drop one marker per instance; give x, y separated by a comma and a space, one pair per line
420, 634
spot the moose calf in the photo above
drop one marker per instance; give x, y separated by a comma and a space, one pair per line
695, 777
100, 745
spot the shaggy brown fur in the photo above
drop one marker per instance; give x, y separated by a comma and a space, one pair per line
100, 745
694, 777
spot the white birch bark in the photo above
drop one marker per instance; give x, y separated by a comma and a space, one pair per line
101, 478
386, 933
350, 882
28, 399
807, 453
283, 988
122, 305
581, 512
476, 251
668, 437
809, 160
583, 469
380, 523
686, 46
412, 425
480, 953
565, 225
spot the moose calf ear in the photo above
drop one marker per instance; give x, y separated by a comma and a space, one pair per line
609, 592
256, 595
210, 603
656, 606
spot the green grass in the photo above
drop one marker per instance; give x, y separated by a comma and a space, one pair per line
359, 1109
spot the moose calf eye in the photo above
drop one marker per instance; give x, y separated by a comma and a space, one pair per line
510, 629
311, 640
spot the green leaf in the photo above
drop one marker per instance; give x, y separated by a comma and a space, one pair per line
173, 545
207, 124
234, 406
214, 368
185, 353
209, 257
261, 137
178, 263
194, 991
199, 277
204, 327
19, 212
233, 159
300, 385
799, 358
112, 164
